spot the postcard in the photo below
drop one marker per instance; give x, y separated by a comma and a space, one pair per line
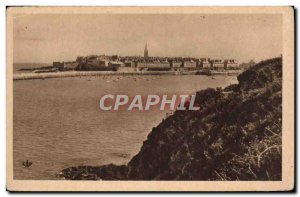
150, 99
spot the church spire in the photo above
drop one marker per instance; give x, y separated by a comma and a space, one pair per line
146, 52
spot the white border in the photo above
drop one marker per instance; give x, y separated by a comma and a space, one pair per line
90, 3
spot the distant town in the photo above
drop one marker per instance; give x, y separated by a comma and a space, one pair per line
145, 63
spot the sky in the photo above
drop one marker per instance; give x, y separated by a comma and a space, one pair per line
44, 38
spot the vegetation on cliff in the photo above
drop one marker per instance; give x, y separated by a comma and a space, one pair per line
247, 65
236, 135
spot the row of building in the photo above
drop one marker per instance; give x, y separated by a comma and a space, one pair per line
115, 63
137, 63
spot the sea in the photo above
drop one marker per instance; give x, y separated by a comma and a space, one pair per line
57, 122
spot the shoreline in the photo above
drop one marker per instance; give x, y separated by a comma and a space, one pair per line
30, 76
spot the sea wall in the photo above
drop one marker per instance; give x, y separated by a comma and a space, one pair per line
123, 71
236, 135
27, 76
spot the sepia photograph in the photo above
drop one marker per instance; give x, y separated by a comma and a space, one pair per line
150, 98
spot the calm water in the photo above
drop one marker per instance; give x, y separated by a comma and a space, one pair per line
58, 124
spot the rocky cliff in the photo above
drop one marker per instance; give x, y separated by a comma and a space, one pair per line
236, 135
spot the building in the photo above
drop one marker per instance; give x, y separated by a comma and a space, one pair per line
231, 64
176, 64
190, 64
92, 63
70, 65
146, 55
153, 65
218, 64
206, 64
65, 65
97, 61
130, 64
115, 65
115, 58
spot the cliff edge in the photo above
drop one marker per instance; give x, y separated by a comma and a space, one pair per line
236, 135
